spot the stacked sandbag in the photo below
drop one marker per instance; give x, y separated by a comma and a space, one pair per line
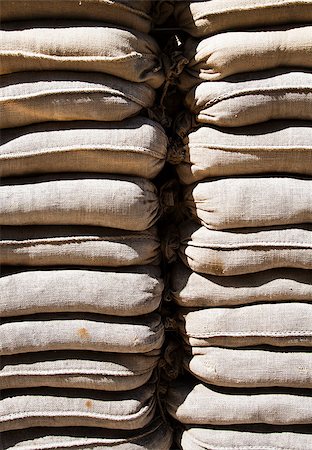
243, 283
80, 333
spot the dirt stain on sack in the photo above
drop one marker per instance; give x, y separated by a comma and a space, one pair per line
83, 333
89, 404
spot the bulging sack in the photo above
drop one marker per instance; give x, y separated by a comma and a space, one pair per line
128, 203
135, 146
203, 18
80, 46
248, 250
276, 146
252, 98
239, 202
77, 245
95, 332
30, 97
225, 54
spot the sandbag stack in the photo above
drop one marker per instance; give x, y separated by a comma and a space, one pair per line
243, 280
81, 282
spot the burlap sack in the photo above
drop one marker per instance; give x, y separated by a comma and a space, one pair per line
80, 46
30, 97
200, 404
250, 202
193, 289
129, 13
251, 98
135, 146
77, 369
74, 245
203, 18
128, 203
230, 53
205, 438
250, 368
90, 290
245, 251
155, 435
43, 332
279, 324
276, 146
48, 407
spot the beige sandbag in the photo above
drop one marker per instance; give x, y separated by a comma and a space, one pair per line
135, 146
206, 438
276, 146
240, 202
193, 289
251, 98
50, 407
225, 54
77, 369
250, 367
30, 97
155, 435
200, 404
248, 250
203, 18
43, 332
129, 13
101, 291
77, 245
80, 46
278, 324
128, 203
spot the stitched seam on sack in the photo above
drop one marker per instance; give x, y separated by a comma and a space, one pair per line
253, 333
255, 148
95, 58
74, 372
255, 244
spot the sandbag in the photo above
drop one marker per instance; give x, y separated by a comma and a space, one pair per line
81, 331
248, 250
278, 324
135, 146
203, 18
251, 98
77, 369
30, 97
129, 13
250, 367
80, 46
276, 146
240, 202
200, 404
128, 203
193, 289
100, 291
225, 54
77, 245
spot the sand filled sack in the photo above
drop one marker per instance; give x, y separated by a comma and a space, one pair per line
129, 13
80, 46
248, 250
135, 146
203, 18
42, 332
129, 203
276, 146
200, 404
74, 245
250, 367
99, 291
252, 98
225, 54
193, 289
70, 407
250, 202
78, 369
30, 97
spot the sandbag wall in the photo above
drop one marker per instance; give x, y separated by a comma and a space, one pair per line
81, 284
243, 282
